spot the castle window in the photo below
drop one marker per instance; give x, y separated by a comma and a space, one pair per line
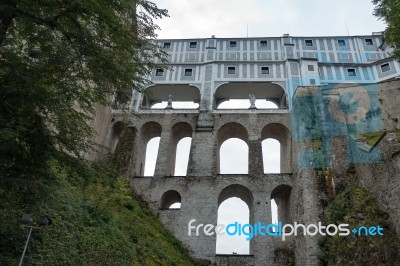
351, 72
167, 45
309, 42
369, 42
310, 68
385, 67
342, 42
159, 72
232, 44
193, 45
265, 70
231, 70
188, 72
312, 81
263, 43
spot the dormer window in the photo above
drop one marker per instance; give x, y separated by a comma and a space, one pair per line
342, 42
193, 44
167, 45
231, 70
159, 72
265, 70
351, 72
188, 72
309, 42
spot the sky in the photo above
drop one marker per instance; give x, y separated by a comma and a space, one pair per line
266, 18
255, 18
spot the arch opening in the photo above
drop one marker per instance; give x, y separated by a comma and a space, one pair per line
271, 151
281, 134
259, 91
232, 149
151, 156
116, 132
182, 156
182, 96
234, 157
176, 105
245, 104
234, 205
148, 150
281, 195
179, 149
171, 200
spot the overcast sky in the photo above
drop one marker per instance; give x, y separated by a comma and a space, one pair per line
266, 18
257, 18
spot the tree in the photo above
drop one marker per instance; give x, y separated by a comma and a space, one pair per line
58, 58
389, 11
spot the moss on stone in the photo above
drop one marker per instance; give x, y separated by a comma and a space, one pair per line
398, 134
357, 207
372, 137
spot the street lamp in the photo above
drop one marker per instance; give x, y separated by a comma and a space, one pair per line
27, 221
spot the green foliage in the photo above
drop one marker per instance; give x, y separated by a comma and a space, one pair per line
372, 137
96, 221
58, 59
357, 207
398, 134
389, 11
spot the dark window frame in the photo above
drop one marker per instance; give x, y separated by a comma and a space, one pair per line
192, 44
188, 72
309, 42
265, 70
231, 70
342, 42
385, 67
351, 72
167, 45
159, 72
369, 41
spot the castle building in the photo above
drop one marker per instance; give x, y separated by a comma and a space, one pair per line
309, 79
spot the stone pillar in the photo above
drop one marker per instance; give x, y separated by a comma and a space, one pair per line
164, 149
202, 157
256, 168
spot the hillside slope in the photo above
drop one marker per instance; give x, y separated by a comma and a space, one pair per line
96, 220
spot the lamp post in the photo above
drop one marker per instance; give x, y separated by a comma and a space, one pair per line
27, 221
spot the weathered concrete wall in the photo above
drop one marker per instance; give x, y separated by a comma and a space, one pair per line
101, 125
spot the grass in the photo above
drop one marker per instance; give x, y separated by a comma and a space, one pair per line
97, 220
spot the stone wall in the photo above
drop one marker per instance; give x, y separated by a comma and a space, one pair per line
317, 139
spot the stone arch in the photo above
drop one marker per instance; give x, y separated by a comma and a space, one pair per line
180, 92
228, 131
282, 134
243, 193
236, 190
270, 91
180, 130
169, 198
282, 197
232, 130
148, 131
114, 135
